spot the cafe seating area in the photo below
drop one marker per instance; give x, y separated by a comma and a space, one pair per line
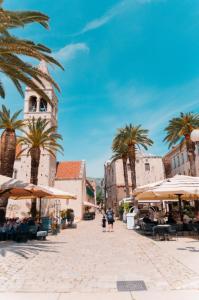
22, 230
168, 231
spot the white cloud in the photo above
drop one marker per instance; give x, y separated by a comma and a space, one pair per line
69, 52
111, 13
129, 95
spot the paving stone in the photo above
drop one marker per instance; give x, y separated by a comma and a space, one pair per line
86, 260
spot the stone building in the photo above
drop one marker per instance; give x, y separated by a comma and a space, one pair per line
149, 168
68, 176
71, 177
176, 161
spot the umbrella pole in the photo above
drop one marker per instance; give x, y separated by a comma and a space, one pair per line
40, 209
180, 207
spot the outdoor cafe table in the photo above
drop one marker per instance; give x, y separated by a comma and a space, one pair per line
162, 230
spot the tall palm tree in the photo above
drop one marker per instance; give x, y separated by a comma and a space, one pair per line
9, 123
37, 137
179, 130
13, 50
134, 137
121, 152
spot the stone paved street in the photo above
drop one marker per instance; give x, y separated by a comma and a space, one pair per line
86, 260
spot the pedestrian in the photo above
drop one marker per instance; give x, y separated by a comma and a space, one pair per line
110, 219
104, 223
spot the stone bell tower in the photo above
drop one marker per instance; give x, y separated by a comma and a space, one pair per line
35, 106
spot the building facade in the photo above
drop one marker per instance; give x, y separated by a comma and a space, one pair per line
91, 191
149, 169
176, 161
71, 177
68, 176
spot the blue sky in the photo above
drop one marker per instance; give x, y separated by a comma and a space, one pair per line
125, 61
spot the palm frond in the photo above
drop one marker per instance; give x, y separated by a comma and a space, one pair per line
10, 122
2, 92
13, 19
12, 49
180, 128
39, 135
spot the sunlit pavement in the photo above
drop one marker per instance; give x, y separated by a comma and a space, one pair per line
85, 263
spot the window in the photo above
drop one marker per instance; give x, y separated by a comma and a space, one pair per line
33, 104
15, 174
182, 158
178, 160
147, 167
186, 156
197, 147
43, 105
174, 162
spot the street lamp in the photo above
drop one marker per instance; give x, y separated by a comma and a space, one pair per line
195, 135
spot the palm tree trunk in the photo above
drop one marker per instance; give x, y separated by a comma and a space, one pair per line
8, 152
7, 159
35, 160
191, 156
132, 166
126, 180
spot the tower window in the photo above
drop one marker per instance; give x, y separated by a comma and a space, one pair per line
43, 105
147, 167
182, 158
15, 174
33, 104
178, 160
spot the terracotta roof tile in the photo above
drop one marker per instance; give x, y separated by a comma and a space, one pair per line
68, 170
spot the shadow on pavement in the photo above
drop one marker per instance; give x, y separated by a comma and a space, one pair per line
190, 249
26, 249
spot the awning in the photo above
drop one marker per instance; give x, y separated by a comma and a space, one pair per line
86, 203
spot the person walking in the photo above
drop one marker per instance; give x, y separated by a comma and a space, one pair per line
110, 219
104, 223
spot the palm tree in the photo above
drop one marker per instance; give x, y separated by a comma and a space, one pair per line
13, 49
133, 137
121, 152
39, 136
9, 123
10, 19
179, 130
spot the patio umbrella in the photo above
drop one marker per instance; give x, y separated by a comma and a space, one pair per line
143, 188
178, 187
19, 189
186, 186
56, 193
